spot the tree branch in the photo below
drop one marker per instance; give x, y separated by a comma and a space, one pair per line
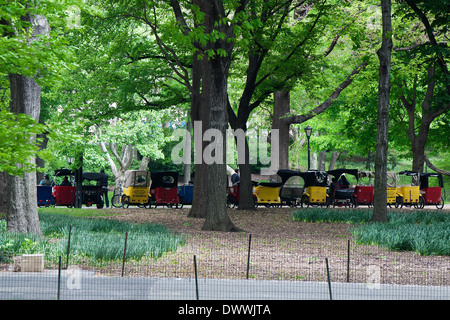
432, 167
324, 106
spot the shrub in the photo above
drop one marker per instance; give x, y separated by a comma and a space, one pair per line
424, 232
91, 238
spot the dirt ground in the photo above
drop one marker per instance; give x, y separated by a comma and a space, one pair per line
280, 249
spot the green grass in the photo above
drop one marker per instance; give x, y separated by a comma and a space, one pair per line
420, 231
93, 239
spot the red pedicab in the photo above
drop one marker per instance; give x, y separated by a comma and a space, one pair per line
164, 189
63, 194
431, 193
363, 194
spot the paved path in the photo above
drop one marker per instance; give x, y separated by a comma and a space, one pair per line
83, 285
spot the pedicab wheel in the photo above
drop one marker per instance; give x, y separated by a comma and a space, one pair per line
255, 201
231, 201
441, 204
328, 202
304, 201
421, 202
148, 205
116, 201
125, 201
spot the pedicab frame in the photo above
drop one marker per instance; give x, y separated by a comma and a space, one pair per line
431, 195
135, 190
342, 195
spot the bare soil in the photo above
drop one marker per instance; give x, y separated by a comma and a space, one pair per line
280, 249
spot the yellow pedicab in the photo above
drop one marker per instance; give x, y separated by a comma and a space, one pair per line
135, 190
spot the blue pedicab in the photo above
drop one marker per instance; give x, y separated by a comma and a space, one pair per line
186, 193
44, 196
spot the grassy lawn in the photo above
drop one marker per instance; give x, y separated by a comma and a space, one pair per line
424, 232
91, 239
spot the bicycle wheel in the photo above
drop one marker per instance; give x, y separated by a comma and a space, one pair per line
116, 201
125, 201
441, 204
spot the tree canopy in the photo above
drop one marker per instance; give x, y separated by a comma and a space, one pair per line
118, 77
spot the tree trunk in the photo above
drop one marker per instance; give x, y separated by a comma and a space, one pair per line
187, 148
215, 82
124, 159
384, 55
200, 121
217, 218
429, 113
321, 160
22, 213
280, 122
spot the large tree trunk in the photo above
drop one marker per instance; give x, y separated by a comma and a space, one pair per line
384, 55
217, 218
22, 213
200, 122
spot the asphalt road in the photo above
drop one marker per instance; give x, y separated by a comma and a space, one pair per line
85, 285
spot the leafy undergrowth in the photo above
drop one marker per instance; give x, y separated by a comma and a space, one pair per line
421, 231
92, 239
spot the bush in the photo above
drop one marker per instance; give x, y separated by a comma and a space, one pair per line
92, 239
424, 232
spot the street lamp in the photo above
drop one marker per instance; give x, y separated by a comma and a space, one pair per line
308, 131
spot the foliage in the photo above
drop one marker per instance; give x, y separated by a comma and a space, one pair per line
424, 232
45, 56
18, 143
39, 57
93, 239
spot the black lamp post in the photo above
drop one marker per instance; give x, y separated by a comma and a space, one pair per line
308, 131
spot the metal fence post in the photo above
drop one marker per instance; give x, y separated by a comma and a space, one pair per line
196, 281
348, 261
328, 276
248, 257
59, 277
124, 252
68, 247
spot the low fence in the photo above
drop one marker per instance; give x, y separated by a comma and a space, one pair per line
240, 266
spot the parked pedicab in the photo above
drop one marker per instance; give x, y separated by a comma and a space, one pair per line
293, 185
64, 193
44, 196
315, 192
164, 189
341, 190
431, 191
91, 189
391, 189
233, 195
408, 194
135, 190
363, 193
267, 194
186, 194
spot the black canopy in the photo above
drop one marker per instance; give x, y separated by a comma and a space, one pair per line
64, 172
286, 174
338, 172
424, 177
93, 176
164, 179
